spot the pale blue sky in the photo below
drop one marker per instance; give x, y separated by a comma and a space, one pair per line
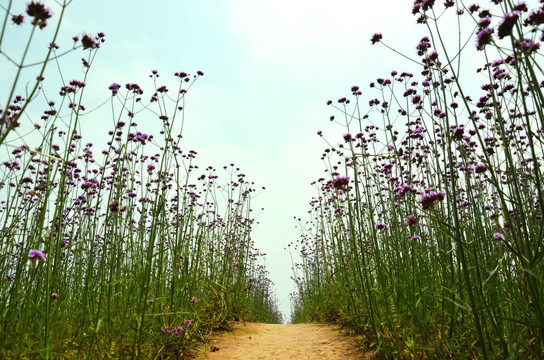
270, 67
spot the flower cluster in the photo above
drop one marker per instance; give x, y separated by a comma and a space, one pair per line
39, 12
428, 199
177, 330
34, 255
341, 182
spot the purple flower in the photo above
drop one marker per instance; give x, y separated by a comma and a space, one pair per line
527, 45
484, 13
114, 88
77, 83
535, 18
193, 300
377, 37
36, 254
411, 220
341, 182
135, 88
87, 185
400, 191
499, 236
430, 198
473, 8
39, 12
54, 296
18, 19
507, 24
458, 132
88, 42
415, 237
380, 225
483, 38
422, 5
480, 168
416, 99
521, 6
423, 46
175, 331
484, 22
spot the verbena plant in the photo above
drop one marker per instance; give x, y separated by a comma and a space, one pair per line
131, 252
427, 233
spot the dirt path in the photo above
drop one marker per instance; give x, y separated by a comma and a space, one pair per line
251, 341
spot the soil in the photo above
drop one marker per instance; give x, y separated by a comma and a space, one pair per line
254, 341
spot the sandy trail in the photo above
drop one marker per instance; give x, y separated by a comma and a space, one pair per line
253, 341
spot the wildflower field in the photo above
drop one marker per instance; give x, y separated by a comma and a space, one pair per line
130, 250
426, 233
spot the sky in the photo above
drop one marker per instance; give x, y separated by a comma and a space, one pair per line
270, 67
